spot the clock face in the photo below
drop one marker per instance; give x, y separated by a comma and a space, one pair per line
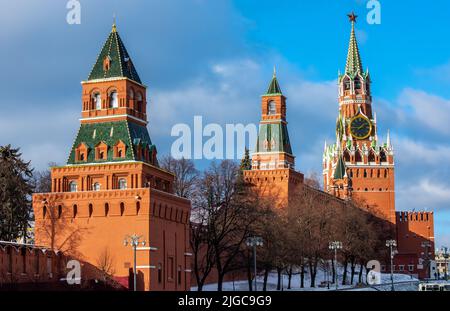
360, 127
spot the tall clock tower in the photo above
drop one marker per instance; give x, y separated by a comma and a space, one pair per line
358, 164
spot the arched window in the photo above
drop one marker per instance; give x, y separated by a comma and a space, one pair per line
122, 184
122, 208
371, 156
357, 85
119, 153
383, 156
59, 211
346, 156
139, 101
44, 212
346, 84
271, 108
113, 100
106, 209
75, 211
97, 101
131, 94
91, 210
96, 187
138, 207
358, 156
73, 186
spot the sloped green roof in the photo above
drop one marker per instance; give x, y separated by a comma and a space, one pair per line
111, 133
354, 63
274, 87
121, 64
275, 137
340, 171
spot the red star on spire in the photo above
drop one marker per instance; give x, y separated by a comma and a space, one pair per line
352, 17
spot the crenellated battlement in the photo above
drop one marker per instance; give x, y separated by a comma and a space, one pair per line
410, 216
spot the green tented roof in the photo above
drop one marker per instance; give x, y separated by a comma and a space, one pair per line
275, 136
354, 63
111, 133
121, 64
274, 87
340, 171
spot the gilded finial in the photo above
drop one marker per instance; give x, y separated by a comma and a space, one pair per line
114, 28
274, 71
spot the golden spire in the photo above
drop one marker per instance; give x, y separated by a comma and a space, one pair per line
114, 28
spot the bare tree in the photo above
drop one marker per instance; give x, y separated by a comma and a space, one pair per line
106, 263
227, 211
185, 175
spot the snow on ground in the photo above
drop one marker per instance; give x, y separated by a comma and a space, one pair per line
402, 282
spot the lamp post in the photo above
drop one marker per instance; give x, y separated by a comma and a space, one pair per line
134, 241
391, 244
445, 254
253, 242
334, 246
427, 246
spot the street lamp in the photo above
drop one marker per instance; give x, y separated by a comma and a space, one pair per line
391, 244
427, 246
335, 245
445, 254
133, 240
253, 242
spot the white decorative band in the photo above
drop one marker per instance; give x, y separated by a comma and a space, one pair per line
113, 116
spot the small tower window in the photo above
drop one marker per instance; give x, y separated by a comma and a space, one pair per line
131, 93
73, 186
96, 186
106, 63
347, 84
97, 101
139, 102
113, 100
271, 108
358, 85
122, 184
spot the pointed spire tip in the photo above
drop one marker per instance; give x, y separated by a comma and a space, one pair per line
114, 27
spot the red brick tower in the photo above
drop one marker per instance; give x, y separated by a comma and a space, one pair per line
358, 164
273, 163
112, 185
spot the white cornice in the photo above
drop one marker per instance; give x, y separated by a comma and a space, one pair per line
112, 117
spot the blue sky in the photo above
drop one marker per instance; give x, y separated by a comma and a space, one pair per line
215, 58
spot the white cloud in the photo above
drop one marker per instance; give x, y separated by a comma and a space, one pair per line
424, 194
409, 151
430, 110
44, 135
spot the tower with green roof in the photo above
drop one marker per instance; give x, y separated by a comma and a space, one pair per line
114, 116
359, 164
112, 188
273, 147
